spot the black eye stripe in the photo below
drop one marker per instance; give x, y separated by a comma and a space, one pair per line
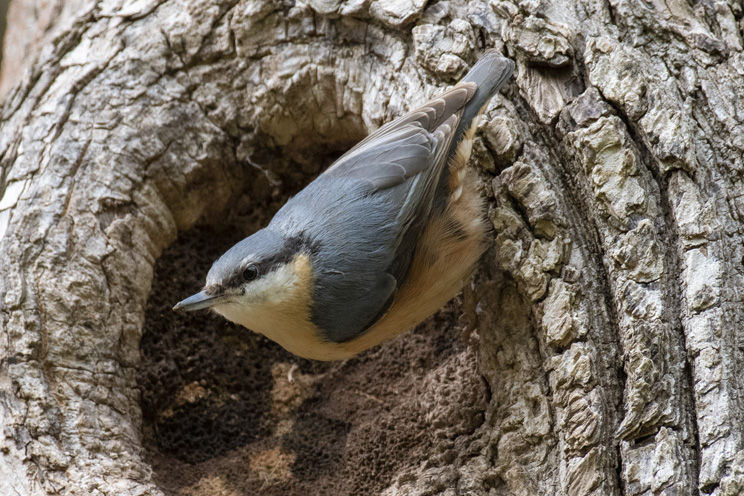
266, 265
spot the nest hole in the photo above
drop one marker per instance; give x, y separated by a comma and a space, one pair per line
219, 413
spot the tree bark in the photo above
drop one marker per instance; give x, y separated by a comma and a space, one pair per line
605, 320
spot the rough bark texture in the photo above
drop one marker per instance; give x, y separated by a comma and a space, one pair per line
605, 320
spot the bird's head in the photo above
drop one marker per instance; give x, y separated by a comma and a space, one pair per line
264, 274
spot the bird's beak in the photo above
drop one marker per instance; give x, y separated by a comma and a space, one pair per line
198, 301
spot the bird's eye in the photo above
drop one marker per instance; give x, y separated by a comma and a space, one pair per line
250, 273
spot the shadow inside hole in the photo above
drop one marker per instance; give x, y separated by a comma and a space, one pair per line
207, 385
322, 452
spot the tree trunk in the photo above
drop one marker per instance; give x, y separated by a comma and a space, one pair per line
144, 138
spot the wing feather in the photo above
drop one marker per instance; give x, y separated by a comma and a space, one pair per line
417, 126
405, 159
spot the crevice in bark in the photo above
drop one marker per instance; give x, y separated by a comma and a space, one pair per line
578, 203
581, 212
671, 239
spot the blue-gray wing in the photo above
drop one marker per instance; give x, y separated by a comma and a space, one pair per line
408, 145
408, 156
367, 211
372, 203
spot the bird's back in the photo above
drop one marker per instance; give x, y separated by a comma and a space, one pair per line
395, 225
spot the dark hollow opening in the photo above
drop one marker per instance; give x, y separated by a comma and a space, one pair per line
220, 416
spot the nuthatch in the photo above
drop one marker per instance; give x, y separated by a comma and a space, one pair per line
374, 245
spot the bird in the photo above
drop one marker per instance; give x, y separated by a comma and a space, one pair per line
377, 243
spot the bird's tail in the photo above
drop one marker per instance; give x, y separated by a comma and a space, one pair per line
489, 74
